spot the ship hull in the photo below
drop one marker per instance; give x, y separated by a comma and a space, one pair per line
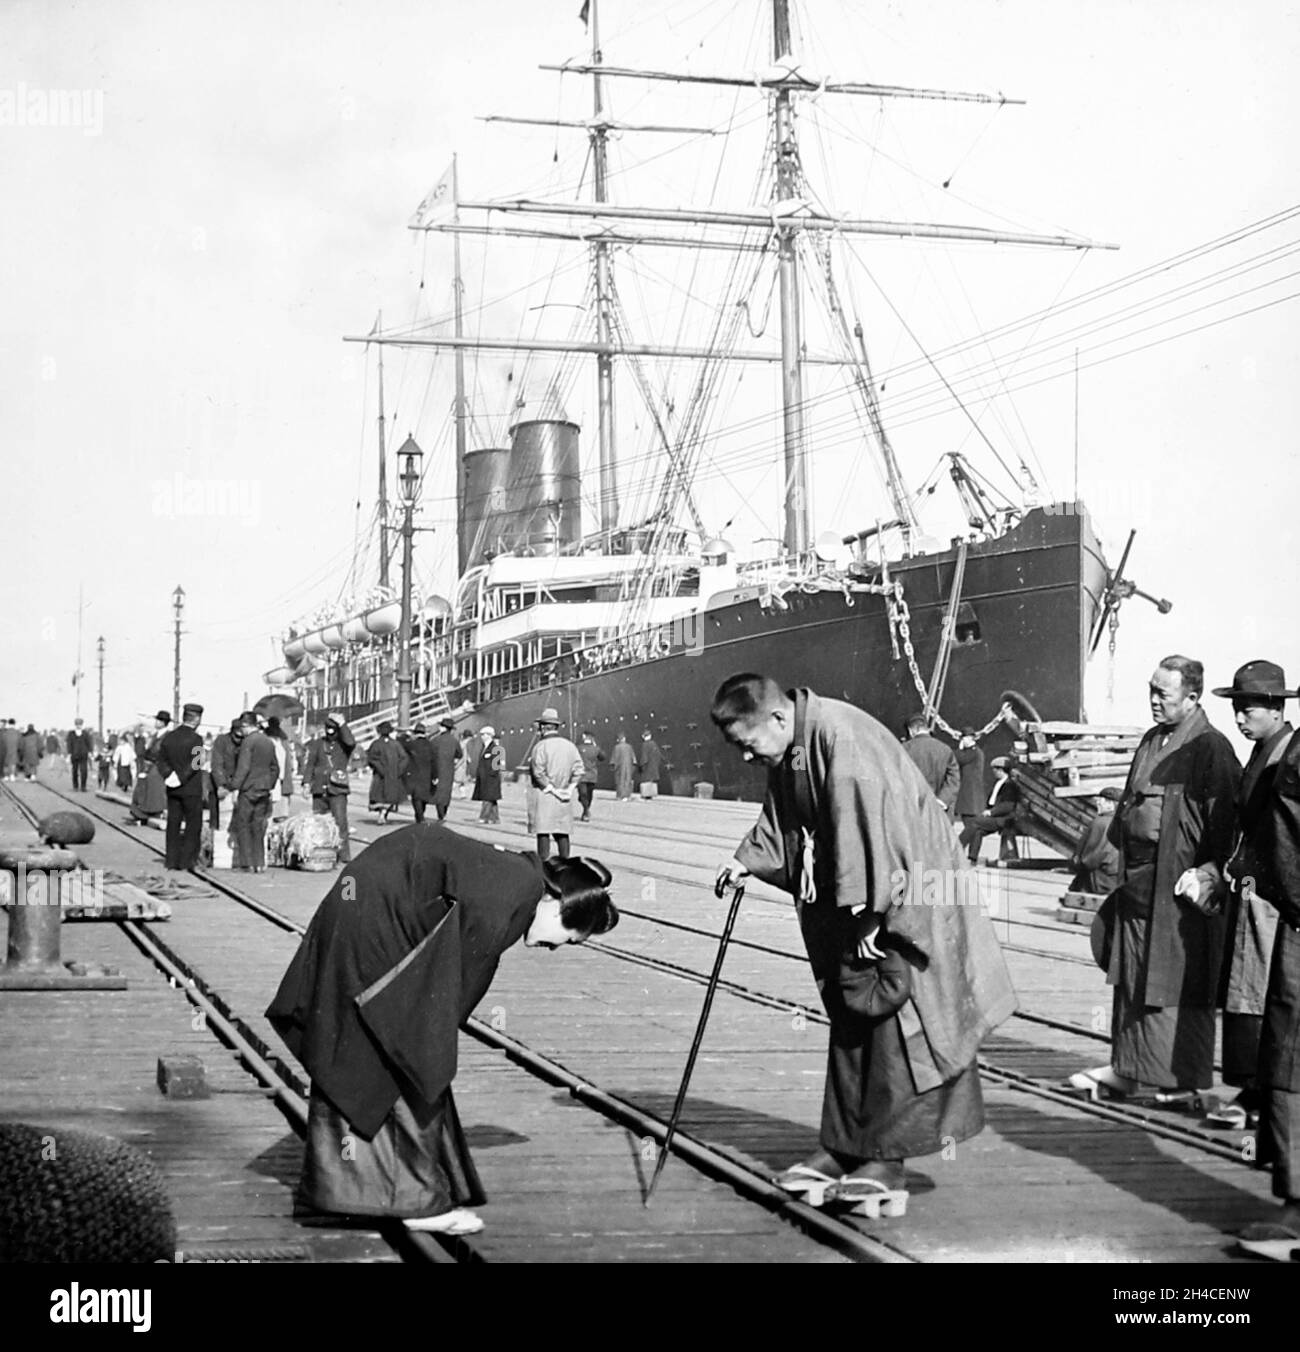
1033, 594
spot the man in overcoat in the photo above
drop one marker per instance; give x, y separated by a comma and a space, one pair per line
1258, 693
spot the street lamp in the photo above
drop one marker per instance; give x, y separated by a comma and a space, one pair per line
178, 605
410, 459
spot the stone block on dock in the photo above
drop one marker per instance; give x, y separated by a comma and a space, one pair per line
183, 1077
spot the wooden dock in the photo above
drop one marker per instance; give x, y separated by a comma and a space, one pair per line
1049, 1180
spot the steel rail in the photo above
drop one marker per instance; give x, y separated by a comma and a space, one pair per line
751, 1184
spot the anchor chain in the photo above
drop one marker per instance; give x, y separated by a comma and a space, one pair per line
1113, 625
900, 619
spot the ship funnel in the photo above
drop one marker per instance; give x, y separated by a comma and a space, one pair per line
546, 483
485, 508
525, 498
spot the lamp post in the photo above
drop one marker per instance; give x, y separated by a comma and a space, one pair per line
178, 605
409, 458
99, 652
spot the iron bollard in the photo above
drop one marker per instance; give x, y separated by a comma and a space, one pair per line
32, 962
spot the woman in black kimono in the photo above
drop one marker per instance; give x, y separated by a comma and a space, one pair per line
388, 763
396, 958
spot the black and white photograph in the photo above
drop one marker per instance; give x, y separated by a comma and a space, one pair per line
649, 634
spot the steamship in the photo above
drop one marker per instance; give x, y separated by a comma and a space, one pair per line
626, 612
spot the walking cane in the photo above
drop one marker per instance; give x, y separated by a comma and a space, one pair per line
738, 892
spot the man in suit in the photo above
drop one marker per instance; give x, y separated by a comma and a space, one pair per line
1276, 863
180, 765
999, 815
80, 745
257, 775
937, 764
1257, 692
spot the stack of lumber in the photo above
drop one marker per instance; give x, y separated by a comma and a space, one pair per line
1059, 767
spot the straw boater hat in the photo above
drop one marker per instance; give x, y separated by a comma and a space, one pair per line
1257, 678
549, 718
487, 732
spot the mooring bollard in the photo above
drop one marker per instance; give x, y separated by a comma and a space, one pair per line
32, 962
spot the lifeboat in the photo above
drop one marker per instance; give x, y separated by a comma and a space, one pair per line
279, 676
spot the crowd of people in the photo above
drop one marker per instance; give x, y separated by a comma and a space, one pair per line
1199, 863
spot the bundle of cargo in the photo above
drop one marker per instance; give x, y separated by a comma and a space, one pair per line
1060, 768
308, 841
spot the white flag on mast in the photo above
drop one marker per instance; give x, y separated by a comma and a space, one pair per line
438, 201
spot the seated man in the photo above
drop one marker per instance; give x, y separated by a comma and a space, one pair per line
1096, 860
396, 958
999, 815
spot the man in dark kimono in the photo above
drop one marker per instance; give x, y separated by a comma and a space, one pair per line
851, 829
1166, 949
396, 958
1258, 692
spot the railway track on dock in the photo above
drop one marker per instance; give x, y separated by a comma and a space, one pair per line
280, 1081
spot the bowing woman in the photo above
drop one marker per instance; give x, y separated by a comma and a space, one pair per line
396, 958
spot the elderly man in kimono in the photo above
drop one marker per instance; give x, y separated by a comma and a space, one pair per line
1166, 933
851, 829
396, 958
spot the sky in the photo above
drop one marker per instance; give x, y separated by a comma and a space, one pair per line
203, 201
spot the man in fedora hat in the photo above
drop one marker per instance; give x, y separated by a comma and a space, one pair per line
447, 750
1176, 814
1269, 867
180, 764
554, 767
256, 779
388, 763
1257, 692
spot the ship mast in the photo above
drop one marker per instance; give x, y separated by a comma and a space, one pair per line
383, 470
458, 287
787, 183
604, 361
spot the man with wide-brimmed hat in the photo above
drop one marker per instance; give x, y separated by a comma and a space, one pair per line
554, 767
447, 751
1266, 865
1257, 692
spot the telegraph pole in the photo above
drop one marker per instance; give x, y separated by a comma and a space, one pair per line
178, 606
99, 651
